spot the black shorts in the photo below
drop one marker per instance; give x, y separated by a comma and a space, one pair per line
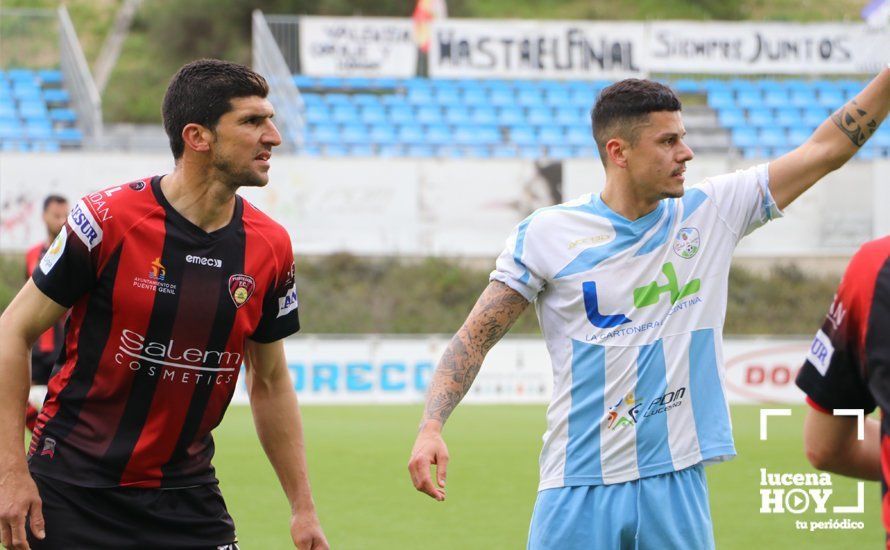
122, 517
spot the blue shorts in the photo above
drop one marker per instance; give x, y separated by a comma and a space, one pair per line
659, 512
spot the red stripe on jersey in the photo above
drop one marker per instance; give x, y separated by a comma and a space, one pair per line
107, 398
173, 395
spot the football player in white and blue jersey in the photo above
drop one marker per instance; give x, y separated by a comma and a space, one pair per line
630, 289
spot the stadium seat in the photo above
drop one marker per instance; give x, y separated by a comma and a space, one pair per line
46, 146
335, 151
551, 135
438, 134
773, 137
410, 134
745, 137
344, 113
540, 115
361, 150
560, 152
382, 134
530, 152
721, 99
568, 115
457, 115
334, 100
523, 135
365, 99
318, 114
310, 151
422, 151
401, 114
830, 98
354, 134
450, 151
50, 77
557, 97
504, 151
578, 135
760, 117
775, 98
56, 97
732, 118
511, 115
799, 134
478, 152
390, 151
448, 97
529, 97
787, 117
749, 98
16, 146
502, 97
484, 115
475, 96
583, 98
324, 133
429, 114
372, 114
814, 116
687, 86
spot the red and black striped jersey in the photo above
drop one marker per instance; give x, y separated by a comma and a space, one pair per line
155, 342
848, 364
49, 344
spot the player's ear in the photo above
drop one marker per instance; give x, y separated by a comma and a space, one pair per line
616, 148
197, 137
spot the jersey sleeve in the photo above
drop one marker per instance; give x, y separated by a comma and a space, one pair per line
516, 267
280, 316
833, 374
743, 198
68, 269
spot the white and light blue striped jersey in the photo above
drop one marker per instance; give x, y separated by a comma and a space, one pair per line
632, 314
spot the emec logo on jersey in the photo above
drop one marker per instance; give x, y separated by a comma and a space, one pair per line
644, 296
241, 288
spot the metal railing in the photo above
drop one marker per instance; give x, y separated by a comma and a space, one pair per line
283, 93
85, 98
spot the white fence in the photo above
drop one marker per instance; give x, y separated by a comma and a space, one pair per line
439, 207
398, 370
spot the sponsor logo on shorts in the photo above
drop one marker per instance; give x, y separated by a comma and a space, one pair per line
55, 251
49, 447
200, 260
84, 225
241, 288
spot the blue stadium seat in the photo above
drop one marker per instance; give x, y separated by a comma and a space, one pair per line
569, 115
303, 81
390, 151
775, 98
552, 135
382, 134
394, 100
372, 114
802, 98
578, 135
588, 152
422, 151
450, 151
317, 114
22, 75
334, 100
438, 134
33, 109
312, 100
769, 85
11, 131
410, 133
881, 137
69, 136
335, 151
831, 98
475, 96
46, 146
310, 151
773, 137
799, 134
749, 99
814, 116
745, 137
484, 115
448, 96
529, 97
788, 117
8, 110
540, 115
361, 150
428, 114
477, 152
468, 135
530, 152
560, 152
457, 115
755, 152
344, 113
688, 86
523, 135
504, 151
401, 114
743, 85
502, 97
15, 146
354, 133
712, 85
56, 97
324, 133
721, 99
760, 117
732, 118
582, 98
366, 99
511, 115
557, 97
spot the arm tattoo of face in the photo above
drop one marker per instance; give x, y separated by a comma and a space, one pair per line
851, 119
492, 316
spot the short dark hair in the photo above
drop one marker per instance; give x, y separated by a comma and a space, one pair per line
621, 107
200, 93
53, 199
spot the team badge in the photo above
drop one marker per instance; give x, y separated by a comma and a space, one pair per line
241, 288
137, 185
687, 242
49, 447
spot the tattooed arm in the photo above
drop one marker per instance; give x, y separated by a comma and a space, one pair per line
833, 143
494, 313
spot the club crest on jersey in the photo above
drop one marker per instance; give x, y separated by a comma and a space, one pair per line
241, 288
687, 242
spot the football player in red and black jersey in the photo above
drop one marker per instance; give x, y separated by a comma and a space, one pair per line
48, 346
848, 367
173, 282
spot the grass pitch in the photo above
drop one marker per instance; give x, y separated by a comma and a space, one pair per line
358, 464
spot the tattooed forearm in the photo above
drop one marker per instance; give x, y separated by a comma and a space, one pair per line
853, 122
492, 316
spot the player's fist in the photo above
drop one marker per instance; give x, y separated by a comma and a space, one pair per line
306, 531
19, 499
429, 449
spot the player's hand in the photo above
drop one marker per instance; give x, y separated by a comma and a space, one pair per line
429, 449
306, 531
18, 500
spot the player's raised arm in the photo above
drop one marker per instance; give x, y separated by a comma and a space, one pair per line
494, 313
833, 143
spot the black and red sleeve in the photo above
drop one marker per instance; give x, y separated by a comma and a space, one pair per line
280, 304
67, 270
835, 373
